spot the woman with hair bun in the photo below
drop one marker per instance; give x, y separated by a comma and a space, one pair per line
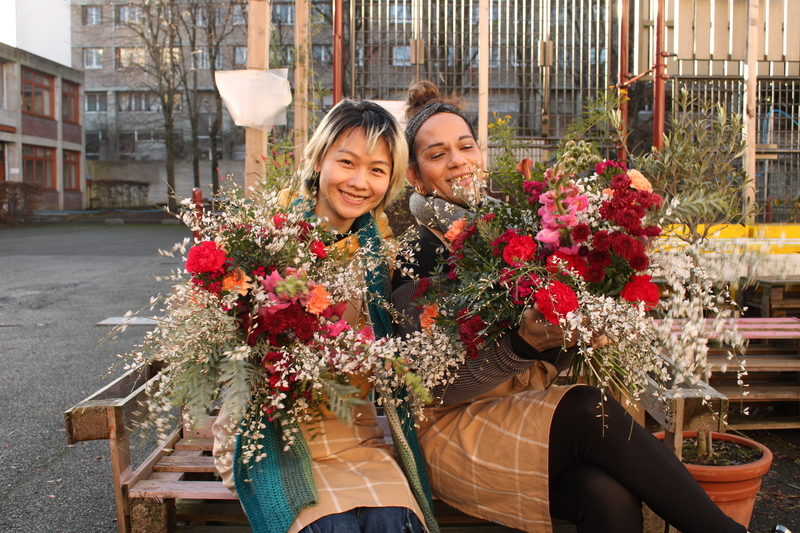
498, 443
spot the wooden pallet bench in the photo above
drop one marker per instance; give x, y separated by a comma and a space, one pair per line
176, 489
772, 296
772, 358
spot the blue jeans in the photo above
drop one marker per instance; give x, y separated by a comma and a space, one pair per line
368, 520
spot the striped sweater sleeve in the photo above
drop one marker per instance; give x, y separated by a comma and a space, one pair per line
496, 363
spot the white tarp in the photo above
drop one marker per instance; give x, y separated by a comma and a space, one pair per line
255, 98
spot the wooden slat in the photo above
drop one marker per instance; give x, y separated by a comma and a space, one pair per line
772, 422
766, 392
204, 445
146, 468
189, 490
184, 463
776, 22
759, 363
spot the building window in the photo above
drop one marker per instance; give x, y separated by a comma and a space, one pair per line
283, 13
322, 53
92, 58
400, 14
401, 56
494, 13
200, 17
93, 140
129, 57
92, 15
239, 15
38, 166
71, 168
127, 145
70, 112
96, 102
322, 9
133, 101
37, 93
202, 61
358, 60
239, 56
129, 14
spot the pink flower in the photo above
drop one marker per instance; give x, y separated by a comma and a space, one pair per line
549, 236
205, 257
337, 328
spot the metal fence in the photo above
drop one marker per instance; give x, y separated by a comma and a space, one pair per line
777, 137
546, 58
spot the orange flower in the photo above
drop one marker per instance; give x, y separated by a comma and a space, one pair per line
237, 280
428, 316
318, 300
638, 181
455, 229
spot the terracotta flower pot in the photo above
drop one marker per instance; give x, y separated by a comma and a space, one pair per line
733, 488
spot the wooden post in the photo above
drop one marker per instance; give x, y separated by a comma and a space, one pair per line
749, 112
659, 89
338, 60
300, 77
258, 31
197, 200
484, 54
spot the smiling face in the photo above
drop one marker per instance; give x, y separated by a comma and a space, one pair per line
352, 179
447, 154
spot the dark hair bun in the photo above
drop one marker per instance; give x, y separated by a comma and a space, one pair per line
425, 92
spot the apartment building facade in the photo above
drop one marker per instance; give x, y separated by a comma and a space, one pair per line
41, 128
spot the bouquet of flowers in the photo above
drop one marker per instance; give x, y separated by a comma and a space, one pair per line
259, 324
579, 242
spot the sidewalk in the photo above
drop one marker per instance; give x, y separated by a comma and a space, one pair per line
58, 281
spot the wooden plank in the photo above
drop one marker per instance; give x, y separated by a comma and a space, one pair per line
721, 37
702, 31
737, 30
205, 444
759, 363
88, 421
770, 422
767, 392
183, 463
775, 27
685, 35
188, 490
145, 469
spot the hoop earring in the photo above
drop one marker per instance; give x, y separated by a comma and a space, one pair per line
421, 190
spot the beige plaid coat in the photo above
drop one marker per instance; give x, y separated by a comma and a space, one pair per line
488, 457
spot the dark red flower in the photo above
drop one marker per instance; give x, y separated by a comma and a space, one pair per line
581, 232
601, 240
469, 330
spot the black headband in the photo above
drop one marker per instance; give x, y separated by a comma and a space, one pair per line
419, 118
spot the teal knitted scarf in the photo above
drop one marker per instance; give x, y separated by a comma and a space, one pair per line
275, 489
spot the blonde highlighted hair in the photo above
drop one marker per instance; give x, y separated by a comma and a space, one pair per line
376, 123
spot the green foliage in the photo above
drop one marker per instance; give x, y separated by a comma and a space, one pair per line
697, 164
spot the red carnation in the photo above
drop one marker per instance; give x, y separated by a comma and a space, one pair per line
318, 249
572, 262
278, 220
555, 301
641, 289
519, 250
206, 257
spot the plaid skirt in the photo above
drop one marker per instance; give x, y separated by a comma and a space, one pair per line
489, 458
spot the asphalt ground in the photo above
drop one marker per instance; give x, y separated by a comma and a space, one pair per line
57, 282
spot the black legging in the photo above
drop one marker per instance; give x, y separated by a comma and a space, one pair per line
600, 475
